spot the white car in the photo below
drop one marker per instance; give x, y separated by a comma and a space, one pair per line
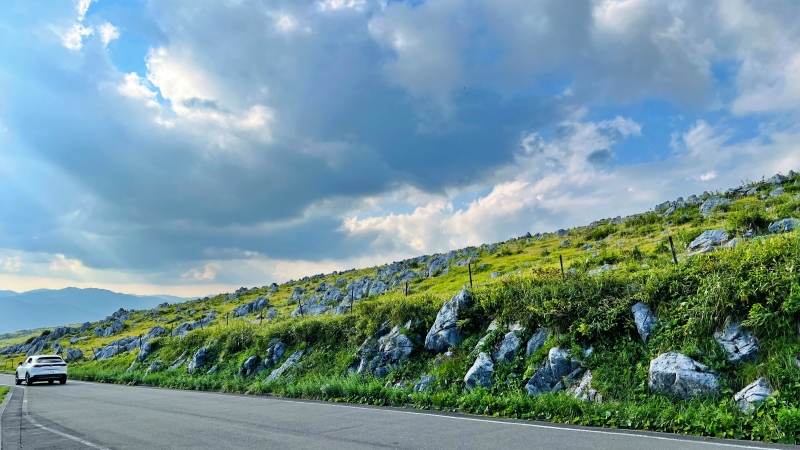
41, 368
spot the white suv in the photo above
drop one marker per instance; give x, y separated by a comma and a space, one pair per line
41, 368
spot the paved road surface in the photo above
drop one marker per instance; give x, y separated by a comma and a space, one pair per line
88, 415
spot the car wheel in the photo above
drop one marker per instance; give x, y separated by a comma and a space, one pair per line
17, 381
28, 381
51, 381
63, 380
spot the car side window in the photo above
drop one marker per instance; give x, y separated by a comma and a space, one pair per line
30, 360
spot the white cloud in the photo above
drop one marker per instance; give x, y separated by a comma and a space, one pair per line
61, 263
134, 87
73, 38
333, 5
12, 264
82, 7
108, 33
208, 273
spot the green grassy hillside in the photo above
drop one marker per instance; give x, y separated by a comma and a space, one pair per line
607, 268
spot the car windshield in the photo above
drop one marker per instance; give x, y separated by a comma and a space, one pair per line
49, 360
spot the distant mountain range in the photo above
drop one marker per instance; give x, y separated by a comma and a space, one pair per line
49, 308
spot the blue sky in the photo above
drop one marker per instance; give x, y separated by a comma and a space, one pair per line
186, 148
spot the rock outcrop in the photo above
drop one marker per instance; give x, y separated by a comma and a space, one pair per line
385, 351
707, 208
290, 361
784, 226
678, 375
199, 359
251, 366
709, 238
444, 331
507, 349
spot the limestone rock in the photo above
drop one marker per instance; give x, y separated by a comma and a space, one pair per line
155, 332
285, 366
385, 351
251, 366
709, 238
777, 192
739, 345
508, 347
444, 332
198, 360
644, 318
480, 374
73, 354
145, 351
537, 340
784, 226
584, 391
707, 208
752, 394
548, 378
424, 383
676, 374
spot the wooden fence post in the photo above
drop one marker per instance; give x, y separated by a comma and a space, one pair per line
352, 297
561, 260
672, 247
469, 267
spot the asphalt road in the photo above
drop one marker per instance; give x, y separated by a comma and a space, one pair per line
87, 415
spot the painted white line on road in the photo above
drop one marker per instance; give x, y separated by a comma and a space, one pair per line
60, 433
534, 425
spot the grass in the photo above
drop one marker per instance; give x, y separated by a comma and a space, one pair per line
3, 392
756, 282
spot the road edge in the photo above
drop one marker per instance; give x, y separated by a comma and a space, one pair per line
2, 409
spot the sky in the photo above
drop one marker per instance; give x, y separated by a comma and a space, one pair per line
189, 148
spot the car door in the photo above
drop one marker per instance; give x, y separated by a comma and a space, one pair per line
21, 370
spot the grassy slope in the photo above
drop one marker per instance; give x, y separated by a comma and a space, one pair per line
757, 281
3, 392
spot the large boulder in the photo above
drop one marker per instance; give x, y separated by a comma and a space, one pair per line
739, 345
508, 347
444, 332
198, 360
752, 394
480, 374
274, 354
709, 238
707, 208
678, 375
784, 226
557, 372
377, 288
644, 318
537, 341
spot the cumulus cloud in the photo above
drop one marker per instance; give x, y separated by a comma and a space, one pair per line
12, 264
108, 33
61, 263
73, 37
323, 132
209, 272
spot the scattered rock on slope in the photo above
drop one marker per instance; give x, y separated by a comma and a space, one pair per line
285, 366
537, 340
444, 332
383, 352
198, 360
644, 318
480, 374
752, 394
784, 226
558, 365
708, 238
707, 208
739, 345
678, 375
508, 347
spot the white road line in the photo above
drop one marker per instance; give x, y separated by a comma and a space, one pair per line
60, 433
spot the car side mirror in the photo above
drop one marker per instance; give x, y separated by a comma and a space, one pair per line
19, 365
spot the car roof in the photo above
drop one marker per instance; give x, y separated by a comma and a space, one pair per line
46, 356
